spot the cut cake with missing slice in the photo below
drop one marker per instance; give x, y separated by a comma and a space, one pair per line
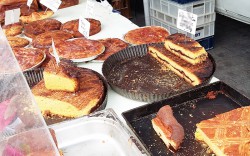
186, 48
194, 74
61, 77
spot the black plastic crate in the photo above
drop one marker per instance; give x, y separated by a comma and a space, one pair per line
207, 43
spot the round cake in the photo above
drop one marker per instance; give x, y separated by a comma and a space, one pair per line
44, 40
13, 29
145, 35
38, 27
18, 42
72, 27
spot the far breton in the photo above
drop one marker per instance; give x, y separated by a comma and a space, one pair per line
112, 45
79, 48
18, 41
13, 29
72, 27
44, 40
28, 57
38, 27
145, 35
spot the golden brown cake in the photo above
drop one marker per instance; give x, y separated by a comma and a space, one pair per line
72, 27
64, 4
12, 29
55, 75
168, 128
66, 104
38, 27
35, 16
194, 74
44, 40
186, 48
227, 134
18, 42
145, 35
28, 57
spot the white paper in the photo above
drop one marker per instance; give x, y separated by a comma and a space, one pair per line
186, 21
29, 2
84, 27
90, 8
106, 5
12, 16
55, 53
51, 4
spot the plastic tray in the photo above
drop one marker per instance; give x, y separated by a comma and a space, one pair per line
189, 109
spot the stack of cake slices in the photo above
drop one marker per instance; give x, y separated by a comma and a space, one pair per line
184, 56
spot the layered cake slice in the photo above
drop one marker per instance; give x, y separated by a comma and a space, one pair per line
227, 133
168, 128
194, 74
89, 96
186, 48
61, 77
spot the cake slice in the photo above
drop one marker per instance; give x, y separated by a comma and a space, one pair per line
186, 48
194, 74
60, 77
168, 128
227, 133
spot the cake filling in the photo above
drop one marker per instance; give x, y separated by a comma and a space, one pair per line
183, 54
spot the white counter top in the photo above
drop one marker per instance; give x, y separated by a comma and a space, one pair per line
113, 25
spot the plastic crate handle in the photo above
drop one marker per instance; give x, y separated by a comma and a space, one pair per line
198, 5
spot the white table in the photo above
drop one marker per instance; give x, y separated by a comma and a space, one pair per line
113, 25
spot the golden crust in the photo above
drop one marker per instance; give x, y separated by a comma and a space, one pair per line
227, 133
28, 57
194, 74
12, 29
144, 35
16, 42
35, 16
112, 45
186, 48
9, 2
38, 27
64, 4
44, 40
72, 27
79, 48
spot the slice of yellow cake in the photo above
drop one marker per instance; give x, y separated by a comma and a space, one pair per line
61, 77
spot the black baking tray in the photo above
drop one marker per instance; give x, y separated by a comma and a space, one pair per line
173, 84
189, 109
36, 75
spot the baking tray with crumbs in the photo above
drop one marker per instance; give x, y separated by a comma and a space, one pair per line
138, 76
189, 109
36, 75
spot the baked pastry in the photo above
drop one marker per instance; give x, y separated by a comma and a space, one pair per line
18, 42
186, 48
28, 58
44, 40
112, 45
79, 48
55, 75
144, 35
72, 27
66, 104
35, 16
194, 74
38, 27
64, 4
227, 133
168, 128
12, 29
9, 2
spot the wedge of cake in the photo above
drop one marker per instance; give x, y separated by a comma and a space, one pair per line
71, 104
186, 48
194, 74
168, 128
227, 133
60, 77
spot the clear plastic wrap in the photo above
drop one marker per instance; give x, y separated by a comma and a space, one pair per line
22, 127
